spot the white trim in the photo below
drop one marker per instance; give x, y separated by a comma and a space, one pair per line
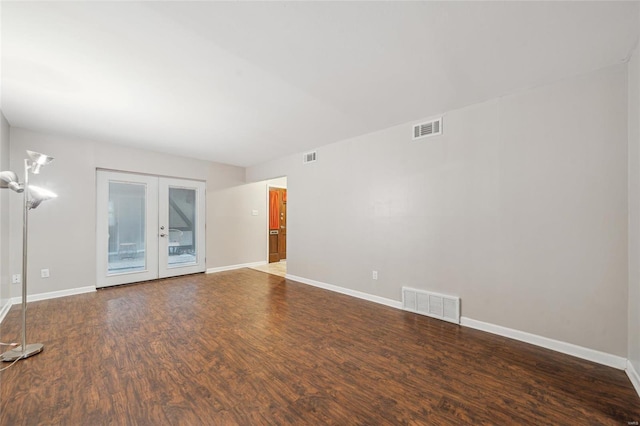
266, 219
555, 345
567, 348
360, 295
633, 376
5, 309
232, 267
54, 294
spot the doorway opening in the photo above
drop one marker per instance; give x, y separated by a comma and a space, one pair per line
276, 227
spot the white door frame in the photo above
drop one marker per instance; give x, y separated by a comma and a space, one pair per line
164, 268
157, 215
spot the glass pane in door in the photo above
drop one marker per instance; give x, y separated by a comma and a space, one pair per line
127, 227
182, 226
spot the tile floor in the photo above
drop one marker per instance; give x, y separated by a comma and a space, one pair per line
276, 268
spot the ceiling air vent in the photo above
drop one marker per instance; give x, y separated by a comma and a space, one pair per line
430, 128
309, 157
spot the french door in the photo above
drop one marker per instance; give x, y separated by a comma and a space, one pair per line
148, 227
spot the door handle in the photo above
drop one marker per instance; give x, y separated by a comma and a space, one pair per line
163, 235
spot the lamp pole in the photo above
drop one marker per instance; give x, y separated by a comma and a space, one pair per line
33, 165
34, 348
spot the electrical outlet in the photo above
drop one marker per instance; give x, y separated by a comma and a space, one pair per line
15, 278
254, 212
375, 275
44, 273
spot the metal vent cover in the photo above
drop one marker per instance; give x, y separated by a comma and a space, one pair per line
431, 304
430, 128
309, 157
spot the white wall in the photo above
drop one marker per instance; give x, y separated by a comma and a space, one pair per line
5, 276
243, 232
280, 182
634, 208
62, 231
520, 208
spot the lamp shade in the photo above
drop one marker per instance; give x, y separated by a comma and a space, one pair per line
9, 179
39, 160
38, 195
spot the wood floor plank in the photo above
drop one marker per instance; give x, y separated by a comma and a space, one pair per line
244, 347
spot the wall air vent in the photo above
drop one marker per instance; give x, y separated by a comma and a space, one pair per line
430, 128
434, 305
309, 157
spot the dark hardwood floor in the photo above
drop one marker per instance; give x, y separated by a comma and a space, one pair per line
245, 347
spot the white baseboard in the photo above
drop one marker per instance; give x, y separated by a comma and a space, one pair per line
5, 310
54, 294
232, 267
360, 295
633, 376
567, 348
555, 345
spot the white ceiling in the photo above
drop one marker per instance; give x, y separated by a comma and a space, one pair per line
243, 82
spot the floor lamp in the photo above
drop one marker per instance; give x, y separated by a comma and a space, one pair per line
32, 197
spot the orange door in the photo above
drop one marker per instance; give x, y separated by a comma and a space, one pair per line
277, 224
282, 236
